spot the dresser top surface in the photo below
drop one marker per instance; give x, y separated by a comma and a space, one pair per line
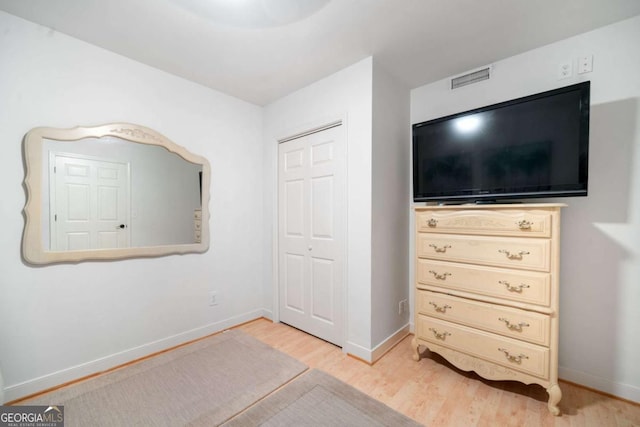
471, 206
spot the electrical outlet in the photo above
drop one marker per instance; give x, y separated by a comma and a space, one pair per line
585, 64
213, 298
402, 306
565, 70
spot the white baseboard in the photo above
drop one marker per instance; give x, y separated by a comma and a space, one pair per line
372, 355
267, 314
605, 385
387, 344
357, 351
35, 385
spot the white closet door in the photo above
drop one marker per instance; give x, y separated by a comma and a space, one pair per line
90, 204
312, 221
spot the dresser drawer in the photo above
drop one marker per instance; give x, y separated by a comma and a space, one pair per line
511, 252
511, 322
514, 354
522, 286
529, 223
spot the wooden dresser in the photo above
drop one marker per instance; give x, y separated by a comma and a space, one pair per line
487, 290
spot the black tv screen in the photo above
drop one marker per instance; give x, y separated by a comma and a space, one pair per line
536, 146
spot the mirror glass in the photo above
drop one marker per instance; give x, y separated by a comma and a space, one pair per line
112, 191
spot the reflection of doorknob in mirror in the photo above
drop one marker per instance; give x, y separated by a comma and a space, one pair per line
121, 226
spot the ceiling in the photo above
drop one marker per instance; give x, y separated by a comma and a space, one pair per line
278, 46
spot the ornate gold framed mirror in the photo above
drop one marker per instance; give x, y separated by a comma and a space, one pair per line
110, 192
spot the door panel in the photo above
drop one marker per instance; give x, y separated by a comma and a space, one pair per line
77, 241
312, 212
107, 203
322, 298
294, 282
294, 196
322, 207
76, 198
108, 239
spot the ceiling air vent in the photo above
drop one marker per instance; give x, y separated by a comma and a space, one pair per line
470, 78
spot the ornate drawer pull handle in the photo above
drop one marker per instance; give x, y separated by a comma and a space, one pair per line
513, 255
524, 224
439, 308
515, 359
439, 276
510, 288
439, 335
439, 249
432, 222
514, 326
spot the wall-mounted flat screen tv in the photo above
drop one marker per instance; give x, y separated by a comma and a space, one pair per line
536, 146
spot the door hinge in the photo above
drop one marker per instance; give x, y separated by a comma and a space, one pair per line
55, 217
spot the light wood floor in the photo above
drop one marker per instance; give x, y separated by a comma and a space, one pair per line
436, 394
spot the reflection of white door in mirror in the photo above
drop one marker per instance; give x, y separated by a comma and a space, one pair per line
89, 203
82, 215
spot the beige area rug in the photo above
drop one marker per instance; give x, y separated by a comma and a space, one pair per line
204, 383
318, 399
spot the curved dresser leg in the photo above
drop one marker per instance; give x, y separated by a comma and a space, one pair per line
416, 347
554, 398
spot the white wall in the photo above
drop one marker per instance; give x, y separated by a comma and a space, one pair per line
60, 322
390, 206
600, 256
346, 94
